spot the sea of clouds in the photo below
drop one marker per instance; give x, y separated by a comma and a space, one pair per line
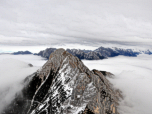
13, 70
132, 77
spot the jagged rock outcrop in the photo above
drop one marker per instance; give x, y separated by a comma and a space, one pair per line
64, 85
84, 54
46, 53
79, 53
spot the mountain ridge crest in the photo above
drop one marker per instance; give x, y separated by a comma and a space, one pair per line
64, 85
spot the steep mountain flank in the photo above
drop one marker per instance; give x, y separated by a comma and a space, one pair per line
46, 53
64, 85
84, 54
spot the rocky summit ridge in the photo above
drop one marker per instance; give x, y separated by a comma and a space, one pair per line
64, 85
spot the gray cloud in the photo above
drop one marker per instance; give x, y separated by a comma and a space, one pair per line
48, 22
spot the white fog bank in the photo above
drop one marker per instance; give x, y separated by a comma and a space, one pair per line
13, 70
133, 76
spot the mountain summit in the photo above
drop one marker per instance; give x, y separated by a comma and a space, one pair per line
64, 85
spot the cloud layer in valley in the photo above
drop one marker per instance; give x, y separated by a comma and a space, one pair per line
13, 70
133, 78
37, 22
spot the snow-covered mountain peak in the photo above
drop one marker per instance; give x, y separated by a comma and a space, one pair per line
65, 85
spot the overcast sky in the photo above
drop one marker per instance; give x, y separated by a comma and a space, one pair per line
88, 22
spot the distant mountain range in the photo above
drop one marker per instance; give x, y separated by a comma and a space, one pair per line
22, 52
100, 53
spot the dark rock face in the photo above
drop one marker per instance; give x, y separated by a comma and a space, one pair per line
30, 65
65, 85
94, 56
22, 101
88, 55
22, 52
107, 52
46, 53
127, 52
79, 53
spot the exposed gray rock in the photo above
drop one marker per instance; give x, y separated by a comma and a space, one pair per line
65, 85
46, 53
30, 65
